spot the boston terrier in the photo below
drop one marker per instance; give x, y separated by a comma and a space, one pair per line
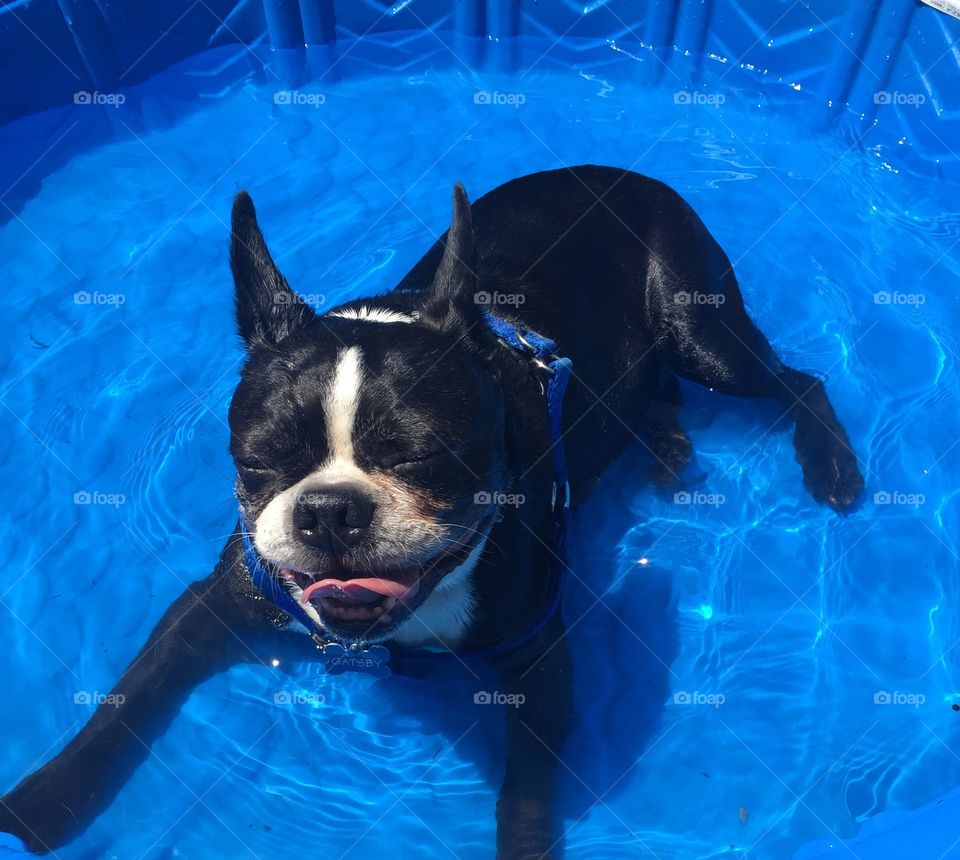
381, 448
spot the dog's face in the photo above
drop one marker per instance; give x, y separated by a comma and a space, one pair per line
362, 441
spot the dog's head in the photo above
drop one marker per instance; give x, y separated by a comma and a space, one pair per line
364, 440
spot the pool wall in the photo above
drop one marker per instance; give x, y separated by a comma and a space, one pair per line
893, 64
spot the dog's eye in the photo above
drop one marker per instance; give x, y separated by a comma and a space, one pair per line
410, 461
252, 468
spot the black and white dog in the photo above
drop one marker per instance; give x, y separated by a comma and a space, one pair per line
373, 443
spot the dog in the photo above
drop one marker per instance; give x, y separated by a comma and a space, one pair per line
375, 444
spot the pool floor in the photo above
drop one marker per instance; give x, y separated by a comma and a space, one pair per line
769, 674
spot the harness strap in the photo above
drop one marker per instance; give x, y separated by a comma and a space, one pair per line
558, 375
270, 588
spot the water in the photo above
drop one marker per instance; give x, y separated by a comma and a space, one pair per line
782, 620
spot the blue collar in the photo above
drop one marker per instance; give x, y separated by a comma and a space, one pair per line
353, 656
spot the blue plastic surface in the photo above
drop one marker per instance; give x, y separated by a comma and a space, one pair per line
872, 62
10, 846
929, 832
111, 216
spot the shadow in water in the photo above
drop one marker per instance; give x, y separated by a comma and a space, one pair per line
620, 614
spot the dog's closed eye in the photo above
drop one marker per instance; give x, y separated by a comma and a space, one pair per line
401, 461
254, 468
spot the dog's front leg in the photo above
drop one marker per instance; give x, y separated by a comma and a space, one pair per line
197, 637
538, 722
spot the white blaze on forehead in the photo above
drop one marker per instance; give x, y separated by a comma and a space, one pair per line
379, 315
343, 394
275, 537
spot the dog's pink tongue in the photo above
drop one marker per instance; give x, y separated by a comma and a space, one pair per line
367, 590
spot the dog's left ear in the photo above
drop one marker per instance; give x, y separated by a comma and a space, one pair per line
267, 309
451, 304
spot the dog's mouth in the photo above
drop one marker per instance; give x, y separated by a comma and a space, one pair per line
367, 598
369, 604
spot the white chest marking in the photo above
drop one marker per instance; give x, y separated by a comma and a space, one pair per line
444, 617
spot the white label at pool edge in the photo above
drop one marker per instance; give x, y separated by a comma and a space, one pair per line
951, 7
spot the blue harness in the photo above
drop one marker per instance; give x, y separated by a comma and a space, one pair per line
341, 657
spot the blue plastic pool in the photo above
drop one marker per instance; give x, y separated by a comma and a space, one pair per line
754, 673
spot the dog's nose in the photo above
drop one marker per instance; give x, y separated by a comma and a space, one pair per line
334, 517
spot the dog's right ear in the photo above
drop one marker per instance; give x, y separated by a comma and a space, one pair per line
267, 309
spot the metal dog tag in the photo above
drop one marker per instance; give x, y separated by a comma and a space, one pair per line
372, 660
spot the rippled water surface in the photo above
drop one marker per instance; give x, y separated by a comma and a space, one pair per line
728, 686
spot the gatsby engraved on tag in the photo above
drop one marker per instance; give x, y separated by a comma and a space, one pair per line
372, 661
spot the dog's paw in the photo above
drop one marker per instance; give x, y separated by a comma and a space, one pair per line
12, 823
672, 450
830, 470
40, 820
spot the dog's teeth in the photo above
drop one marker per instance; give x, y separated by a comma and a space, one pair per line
389, 603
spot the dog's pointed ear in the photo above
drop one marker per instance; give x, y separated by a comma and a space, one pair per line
451, 302
267, 309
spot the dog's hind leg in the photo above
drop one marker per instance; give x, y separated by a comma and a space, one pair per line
707, 336
668, 444
199, 635
539, 676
